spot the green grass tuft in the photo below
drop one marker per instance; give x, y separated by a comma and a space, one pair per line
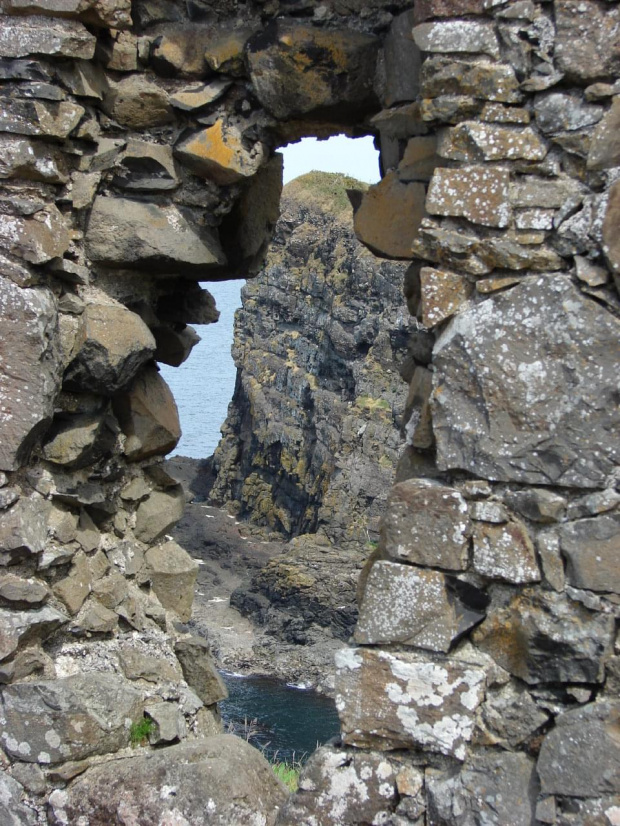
139, 732
287, 773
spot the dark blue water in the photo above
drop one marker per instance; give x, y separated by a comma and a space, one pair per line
285, 723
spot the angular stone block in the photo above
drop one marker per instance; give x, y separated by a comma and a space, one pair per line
23, 529
38, 35
19, 628
219, 154
587, 46
172, 573
157, 513
474, 142
497, 384
199, 670
457, 36
477, 193
505, 552
115, 14
392, 701
611, 236
37, 238
138, 103
443, 294
592, 549
481, 79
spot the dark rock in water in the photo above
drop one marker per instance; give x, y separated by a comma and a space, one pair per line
215, 781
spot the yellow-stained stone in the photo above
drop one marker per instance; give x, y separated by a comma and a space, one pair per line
218, 153
443, 293
225, 53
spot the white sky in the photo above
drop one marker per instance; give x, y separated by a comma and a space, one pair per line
356, 157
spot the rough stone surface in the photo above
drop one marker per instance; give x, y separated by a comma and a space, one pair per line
443, 294
113, 13
38, 35
218, 153
456, 36
604, 149
391, 701
138, 104
546, 637
544, 443
57, 720
148, 416
505, 552
218, 781
124, 233
476, 193
113, 344
611, 238
588, 41
14, 812
172, 573
29, 369
426, 525
157, 513
199, 670
23, 627
23, 529
590, 547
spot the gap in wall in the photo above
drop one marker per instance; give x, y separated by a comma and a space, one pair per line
203, 385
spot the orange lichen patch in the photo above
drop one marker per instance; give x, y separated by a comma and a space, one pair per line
218, 153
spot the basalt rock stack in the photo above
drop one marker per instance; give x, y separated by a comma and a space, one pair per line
137, 158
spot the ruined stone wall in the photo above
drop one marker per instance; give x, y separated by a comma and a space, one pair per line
137, 158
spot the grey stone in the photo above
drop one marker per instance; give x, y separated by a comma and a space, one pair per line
53, 721
593, 503
169, 723
127, 556
545, 637
511, 716
148, 417
73, 589
15, 589
548, 544
591, 547
402, 62
138, 103
38, 35
611, 237
391, 701
426, 525
604, 149
191, 98
537, 504
146, 167
24, 158
14, 811
590, 273
581, 755
22, 627
159, 512
172, 573
557, 112
488, 511
234, 777
494, 789
477, 193
512, 369
28, 327
34, 117
110, 590
220, 154
37, 238
199, 670
94, 618
78, 441
505, 552
343, 786
139, 666
456, 36
472, 142
124, 233
23, 529
411, 606
443, 76
113, 344
8, 497
587, 46
532, 191
115, 14
30, 776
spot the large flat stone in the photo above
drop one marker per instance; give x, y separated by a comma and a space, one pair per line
29, 369
391, 701
297, 70
215, 781
611, 236
124, 233
115, 14
39, 117
477, 193
500, 369
479, 79
592, 548
546, 638
38, 35
426, 525
453, 36
53, 721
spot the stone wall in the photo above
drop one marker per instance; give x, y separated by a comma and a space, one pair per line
137, 158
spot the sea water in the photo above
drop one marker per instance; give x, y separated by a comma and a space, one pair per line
203, 385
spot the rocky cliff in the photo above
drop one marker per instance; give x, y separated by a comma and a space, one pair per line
137, 158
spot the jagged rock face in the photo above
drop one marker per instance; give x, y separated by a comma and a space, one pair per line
312, 435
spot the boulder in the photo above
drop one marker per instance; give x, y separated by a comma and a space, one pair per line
544, 637
219, 154
215, 781
169, 723
426, 525
19, 628
113, 14
413, 606
392, 701
113, 344
158, 513
147, 236
590, 547
38, 35
581, 755
78, 441
199, 670
494, 789
389, 215
496, 386
172, 573
53, 721
298, 70
29, 369
19, 591
148, 417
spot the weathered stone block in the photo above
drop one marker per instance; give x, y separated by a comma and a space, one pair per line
73, 589
412, 606
29, 369
146, 167
457, 36
172, 573
199, 670
37, 238
611, 236
537, 504
389, 216
401, 62
124, 233
592, 548
296, 70
113, 344
544, 638
480, 79
54, 721
180, 49
17, 590
195, 96
443, 294
219, 153
505, 552
472, 142
115, 14
77, 442
225, 51
477, 193
581, 755
426, 525
138, 103
391, 701
23, 158
15, 812
504, 422
39, 117
157, 513
38, 35
419, 160
138, 666
169, 723
23, 529
426, 9
557, 112
605, 145
148, 416
587, 46
19, 628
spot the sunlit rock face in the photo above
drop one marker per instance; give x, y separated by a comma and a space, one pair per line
138, 158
